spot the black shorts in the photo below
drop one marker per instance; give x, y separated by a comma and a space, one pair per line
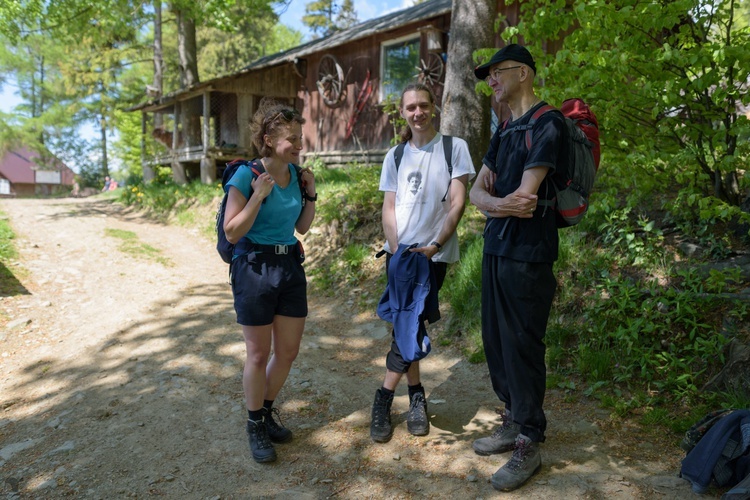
265, 285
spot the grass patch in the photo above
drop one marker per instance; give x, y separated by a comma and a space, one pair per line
9, 283
132, 246
7, 248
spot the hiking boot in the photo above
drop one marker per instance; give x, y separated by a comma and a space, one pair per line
525, 462
502, 439
276, 430
380, 425
260, 443
417, 422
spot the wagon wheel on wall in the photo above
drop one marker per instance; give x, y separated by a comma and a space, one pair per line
430, 70
331, 82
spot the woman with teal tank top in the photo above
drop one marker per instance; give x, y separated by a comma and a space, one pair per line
268, 280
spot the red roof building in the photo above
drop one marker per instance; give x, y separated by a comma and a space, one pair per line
25, 173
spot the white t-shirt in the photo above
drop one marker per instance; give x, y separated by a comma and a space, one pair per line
422, 196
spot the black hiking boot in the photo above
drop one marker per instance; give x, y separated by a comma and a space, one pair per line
502, 439
260, 444
417, 422
276, 430
381, 430
525, 462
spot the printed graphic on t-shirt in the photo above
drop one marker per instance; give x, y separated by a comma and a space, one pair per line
415, 182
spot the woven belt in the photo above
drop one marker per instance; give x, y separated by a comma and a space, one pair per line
246, 246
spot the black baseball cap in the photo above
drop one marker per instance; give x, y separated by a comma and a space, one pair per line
512, 52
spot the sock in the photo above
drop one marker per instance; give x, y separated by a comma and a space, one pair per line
268, 404
386, 392
256, 415
413, 389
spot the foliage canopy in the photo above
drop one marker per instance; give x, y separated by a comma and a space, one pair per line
668, 80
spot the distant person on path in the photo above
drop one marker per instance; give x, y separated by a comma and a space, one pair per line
107, 182
520, 246
268, 280
422, 206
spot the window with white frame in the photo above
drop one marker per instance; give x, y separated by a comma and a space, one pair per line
399, 64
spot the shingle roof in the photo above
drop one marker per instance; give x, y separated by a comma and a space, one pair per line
387, 22
424, 10
18, 166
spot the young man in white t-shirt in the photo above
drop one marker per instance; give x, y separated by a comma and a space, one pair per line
423, 204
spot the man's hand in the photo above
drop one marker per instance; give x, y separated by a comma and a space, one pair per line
516, 204
429, 251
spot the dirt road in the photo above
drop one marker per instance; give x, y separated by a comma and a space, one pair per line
120, 376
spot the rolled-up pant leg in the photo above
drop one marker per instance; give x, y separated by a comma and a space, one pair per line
516, 302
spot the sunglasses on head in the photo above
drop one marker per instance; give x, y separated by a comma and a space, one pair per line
286, 114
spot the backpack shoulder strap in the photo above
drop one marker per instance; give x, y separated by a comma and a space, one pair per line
302, 192
257, 168
537, 114
448, 150
398, 154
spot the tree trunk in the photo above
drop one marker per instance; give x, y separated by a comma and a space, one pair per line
158, 56
148, 171
103, 127
466, 114
187, 48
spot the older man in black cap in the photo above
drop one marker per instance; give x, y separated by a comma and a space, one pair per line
514, 191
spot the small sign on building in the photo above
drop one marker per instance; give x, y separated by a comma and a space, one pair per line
48, 177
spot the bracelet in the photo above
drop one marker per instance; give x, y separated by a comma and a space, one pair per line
436, 244
311, 198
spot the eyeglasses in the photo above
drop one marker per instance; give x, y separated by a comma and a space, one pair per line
496, 72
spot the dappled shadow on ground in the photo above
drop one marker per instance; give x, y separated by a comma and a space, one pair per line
152, 405
99, 207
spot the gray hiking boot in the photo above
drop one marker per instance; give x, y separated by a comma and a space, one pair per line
260, 444
276, 430
417, 422
381, 430
525, 462
502, 440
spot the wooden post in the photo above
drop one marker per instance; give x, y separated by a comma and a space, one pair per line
148, 171
208, 165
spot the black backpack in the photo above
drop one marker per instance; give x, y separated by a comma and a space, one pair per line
701, 427
572, 184
226, 249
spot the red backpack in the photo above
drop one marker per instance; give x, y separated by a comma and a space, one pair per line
573, 182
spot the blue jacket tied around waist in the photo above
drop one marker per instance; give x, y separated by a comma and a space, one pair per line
409, 297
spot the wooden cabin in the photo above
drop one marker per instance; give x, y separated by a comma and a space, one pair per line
339, 83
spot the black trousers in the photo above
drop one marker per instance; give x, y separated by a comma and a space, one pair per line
516, 302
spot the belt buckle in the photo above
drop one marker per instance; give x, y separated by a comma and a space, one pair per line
282, 249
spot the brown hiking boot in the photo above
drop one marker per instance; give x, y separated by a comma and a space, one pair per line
502, 439
525, 462
381, 429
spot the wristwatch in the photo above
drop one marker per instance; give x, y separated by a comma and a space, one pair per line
438, 245
311, 198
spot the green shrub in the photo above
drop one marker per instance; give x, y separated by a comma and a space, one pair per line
162, 197
351, 195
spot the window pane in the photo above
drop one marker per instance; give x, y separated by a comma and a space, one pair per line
401, 61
